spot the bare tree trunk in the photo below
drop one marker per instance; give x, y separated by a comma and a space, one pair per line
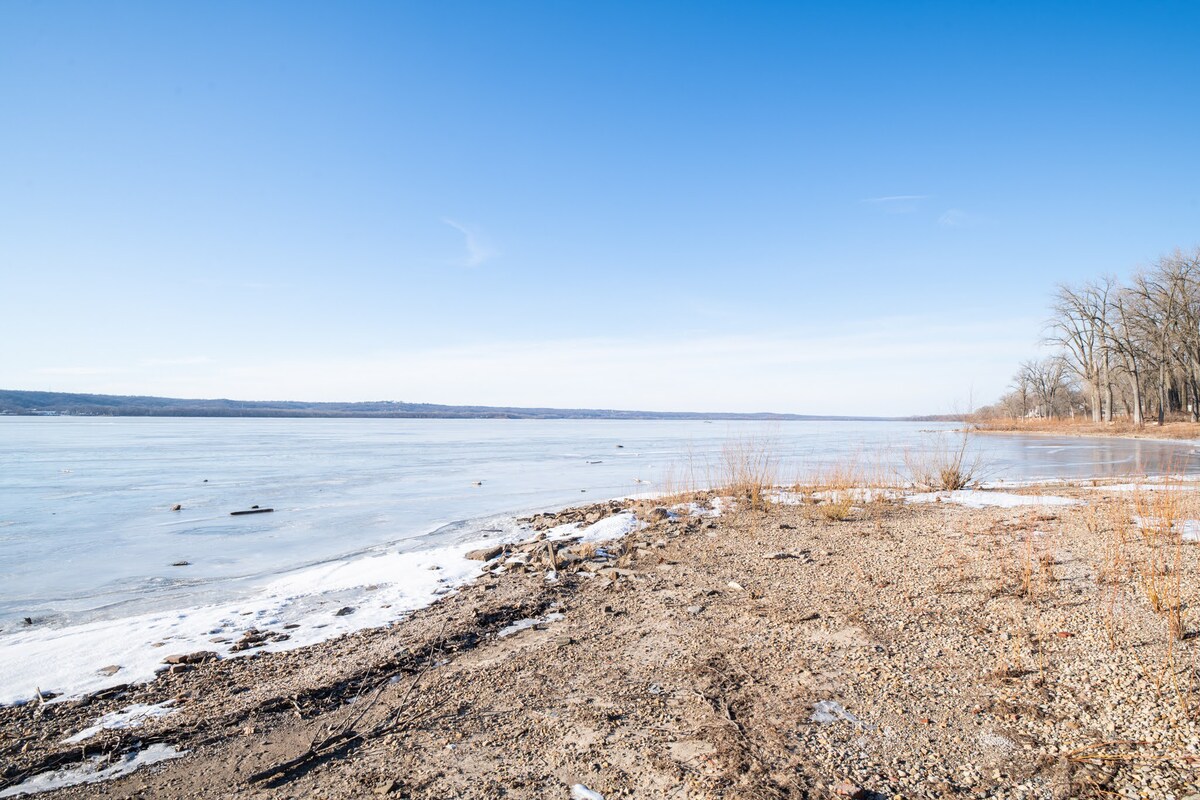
1162, 391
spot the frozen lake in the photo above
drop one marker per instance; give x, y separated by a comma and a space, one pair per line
87, 534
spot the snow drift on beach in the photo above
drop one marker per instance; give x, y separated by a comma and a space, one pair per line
975, 498
323, 601
93, 771
131, 717
607, 529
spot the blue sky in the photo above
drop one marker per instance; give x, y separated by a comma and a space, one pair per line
819, 208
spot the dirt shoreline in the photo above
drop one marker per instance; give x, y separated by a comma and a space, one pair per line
1171, 431
928, 650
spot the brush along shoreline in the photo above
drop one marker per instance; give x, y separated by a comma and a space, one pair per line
1173, 430
804, 643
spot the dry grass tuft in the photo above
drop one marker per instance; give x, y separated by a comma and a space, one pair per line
1159, 563
836, 509
750, 470
1172, 429
949, 466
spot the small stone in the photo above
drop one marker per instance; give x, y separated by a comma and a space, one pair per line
693, 610
191, 658
485, 553
111, 669
345, 611
177, 507
181, 564
846, 789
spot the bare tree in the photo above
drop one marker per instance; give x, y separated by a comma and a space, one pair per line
1153, 303
1121, 334
1077, 326
1133, 346
1182, 272
1045, 377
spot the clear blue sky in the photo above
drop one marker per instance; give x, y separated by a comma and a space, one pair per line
818, 208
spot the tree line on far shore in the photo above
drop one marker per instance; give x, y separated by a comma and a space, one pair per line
1123, 349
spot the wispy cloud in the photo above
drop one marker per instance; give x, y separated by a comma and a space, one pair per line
955, 218
478, 250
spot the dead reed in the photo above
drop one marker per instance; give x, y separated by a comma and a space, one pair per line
949, 465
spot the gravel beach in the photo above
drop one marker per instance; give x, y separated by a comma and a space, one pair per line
829, 645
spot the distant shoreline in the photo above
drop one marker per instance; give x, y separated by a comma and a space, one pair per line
27, 403
1177, 431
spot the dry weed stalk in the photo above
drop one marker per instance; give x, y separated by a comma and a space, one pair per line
948, 466
1160, 563
1026, 569
750, 465
834, 489
1109, 525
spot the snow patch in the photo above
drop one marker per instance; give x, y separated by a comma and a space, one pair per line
610, 528
380, 587
826, 711
975, 498
131, 717
859, 495
1147, 487
694, 509
1188, 529
94, 771
529, 622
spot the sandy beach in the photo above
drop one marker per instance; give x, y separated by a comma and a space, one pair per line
979, 644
